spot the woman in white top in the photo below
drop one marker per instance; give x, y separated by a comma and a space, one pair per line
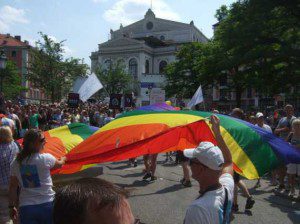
31, 173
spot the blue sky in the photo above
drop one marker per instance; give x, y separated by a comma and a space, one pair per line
86, 23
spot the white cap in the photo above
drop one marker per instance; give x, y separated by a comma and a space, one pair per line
259, 114
208, 154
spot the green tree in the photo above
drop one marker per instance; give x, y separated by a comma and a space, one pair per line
115, 79
11, 81
49, 70
196, 63
260, 39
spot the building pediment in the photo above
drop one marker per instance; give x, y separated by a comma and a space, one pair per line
120, 42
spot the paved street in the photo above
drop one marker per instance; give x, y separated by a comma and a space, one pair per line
165, 200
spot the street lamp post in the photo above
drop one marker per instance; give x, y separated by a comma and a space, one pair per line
3, 60
149, 92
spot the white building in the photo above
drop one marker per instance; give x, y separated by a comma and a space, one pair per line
145, 48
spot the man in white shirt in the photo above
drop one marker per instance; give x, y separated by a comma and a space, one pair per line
212, 167
261, 123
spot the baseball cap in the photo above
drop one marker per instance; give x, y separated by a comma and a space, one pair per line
208, 154
259, 114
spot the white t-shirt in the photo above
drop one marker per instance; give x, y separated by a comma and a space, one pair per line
35, 179
266, 127
208, 209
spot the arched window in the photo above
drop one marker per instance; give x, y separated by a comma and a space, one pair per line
162, 66
107, 64
147, 67
133, 67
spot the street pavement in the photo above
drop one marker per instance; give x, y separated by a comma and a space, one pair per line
164, 201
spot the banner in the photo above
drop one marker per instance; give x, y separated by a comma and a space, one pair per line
128, 100
73, 100
157, 95
89, 87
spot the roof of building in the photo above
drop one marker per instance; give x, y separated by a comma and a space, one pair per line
153, 41
6, 40
169, 25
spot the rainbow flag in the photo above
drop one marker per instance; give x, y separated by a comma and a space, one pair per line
60, 141
136, 133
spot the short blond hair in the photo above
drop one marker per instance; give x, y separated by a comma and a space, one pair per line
5, 135
296, 122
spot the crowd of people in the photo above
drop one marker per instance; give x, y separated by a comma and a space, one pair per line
26, 192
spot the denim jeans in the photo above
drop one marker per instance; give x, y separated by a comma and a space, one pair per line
36, 214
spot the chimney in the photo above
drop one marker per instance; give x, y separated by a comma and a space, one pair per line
18, 38
8, 35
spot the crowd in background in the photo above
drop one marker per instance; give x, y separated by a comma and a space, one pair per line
42, 117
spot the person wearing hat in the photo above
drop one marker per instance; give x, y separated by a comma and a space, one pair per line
212, 168
261, 123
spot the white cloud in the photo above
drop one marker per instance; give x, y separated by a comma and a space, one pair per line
67, 50
129, 11
10, 16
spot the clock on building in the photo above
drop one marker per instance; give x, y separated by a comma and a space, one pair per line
149, 25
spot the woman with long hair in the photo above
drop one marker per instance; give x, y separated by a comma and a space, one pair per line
31, 173
8, 151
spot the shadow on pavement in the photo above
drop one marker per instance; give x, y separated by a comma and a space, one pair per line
119, 167
162, 191
286, 206
136, 183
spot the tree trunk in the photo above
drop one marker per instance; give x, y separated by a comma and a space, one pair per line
238, 97
52, 95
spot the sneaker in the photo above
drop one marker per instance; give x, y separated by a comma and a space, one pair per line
153, 178
187, 183
280, 189
235, 208
250, 202
148, 175
257, 185
291, 193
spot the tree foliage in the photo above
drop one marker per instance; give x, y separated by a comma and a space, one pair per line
256, 44
49, 70
115, 79
11, 81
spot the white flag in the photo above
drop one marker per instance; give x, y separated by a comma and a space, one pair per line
89, 87
197, 98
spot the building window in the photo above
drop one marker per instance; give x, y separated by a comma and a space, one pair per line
162, 66
133, 67
13, 53
249, 93
149, 25
147, 67
162, 37
107, 64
